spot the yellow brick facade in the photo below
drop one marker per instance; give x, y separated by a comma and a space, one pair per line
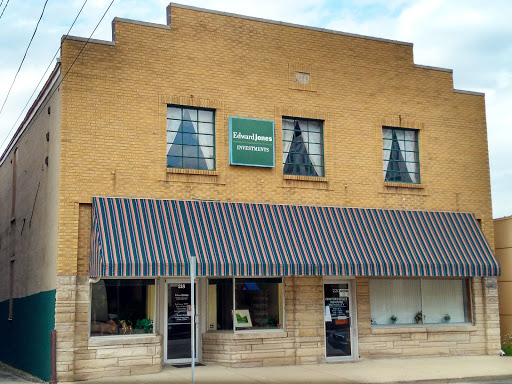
114, 111
113, 143
503, 230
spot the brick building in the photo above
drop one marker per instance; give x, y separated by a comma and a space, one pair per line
336, 196
503, 230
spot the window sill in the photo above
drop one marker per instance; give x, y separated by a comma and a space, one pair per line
192, 172
422, 328
103, 341
403, 185
192, 176
242, 335
306, 178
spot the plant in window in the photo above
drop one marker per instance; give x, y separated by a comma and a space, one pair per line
269, 322
446, 318
393, 319
418, 301
145, 324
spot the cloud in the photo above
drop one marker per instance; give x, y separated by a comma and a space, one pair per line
472, 37
475, 40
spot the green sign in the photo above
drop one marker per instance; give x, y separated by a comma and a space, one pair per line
251, 142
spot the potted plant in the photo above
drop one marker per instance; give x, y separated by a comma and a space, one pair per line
145, 324
393, 319
419, 317
446, 318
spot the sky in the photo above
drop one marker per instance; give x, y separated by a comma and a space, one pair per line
472, 37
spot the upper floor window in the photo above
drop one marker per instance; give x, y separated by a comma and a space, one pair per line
303, 149
190, 138
401, 155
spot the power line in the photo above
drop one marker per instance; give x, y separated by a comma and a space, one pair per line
25, 55
4, 7
47, 68
69, 69
87, 42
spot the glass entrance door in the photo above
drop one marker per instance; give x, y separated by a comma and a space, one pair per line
338, 319
179, 323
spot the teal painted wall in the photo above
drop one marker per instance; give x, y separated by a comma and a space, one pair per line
25, 341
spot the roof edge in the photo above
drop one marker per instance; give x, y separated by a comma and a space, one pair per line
87, 40
286, 24
41, 97
142, 23
469, 92
509, 217
433, 68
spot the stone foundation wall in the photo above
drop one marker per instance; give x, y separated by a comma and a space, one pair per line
251, 349
119, 356
302, 342
432, 340
80, 357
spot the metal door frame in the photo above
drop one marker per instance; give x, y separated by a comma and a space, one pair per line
354, 345
166, 317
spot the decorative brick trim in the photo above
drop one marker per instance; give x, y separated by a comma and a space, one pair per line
192, 101
192, 172
403, 185
293, 68
306, 178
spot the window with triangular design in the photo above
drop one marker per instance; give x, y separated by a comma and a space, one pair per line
400, 155
190, 138
303, 147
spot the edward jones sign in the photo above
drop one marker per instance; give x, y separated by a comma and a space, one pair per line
251, 142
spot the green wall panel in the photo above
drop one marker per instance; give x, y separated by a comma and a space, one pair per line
25, 340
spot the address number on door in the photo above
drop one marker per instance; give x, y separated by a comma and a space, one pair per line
181, 286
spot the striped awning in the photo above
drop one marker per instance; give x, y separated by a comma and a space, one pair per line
141, 237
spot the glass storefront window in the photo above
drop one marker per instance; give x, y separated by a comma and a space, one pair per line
258, 303
420, 301
398, 299
220, 299
122, 307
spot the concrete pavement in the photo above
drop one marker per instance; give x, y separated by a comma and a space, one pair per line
431, 370
467, 369
9, 375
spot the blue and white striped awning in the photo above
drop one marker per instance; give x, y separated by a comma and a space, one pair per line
141, 237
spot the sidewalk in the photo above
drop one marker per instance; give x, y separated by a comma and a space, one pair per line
10, 375
433, 370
